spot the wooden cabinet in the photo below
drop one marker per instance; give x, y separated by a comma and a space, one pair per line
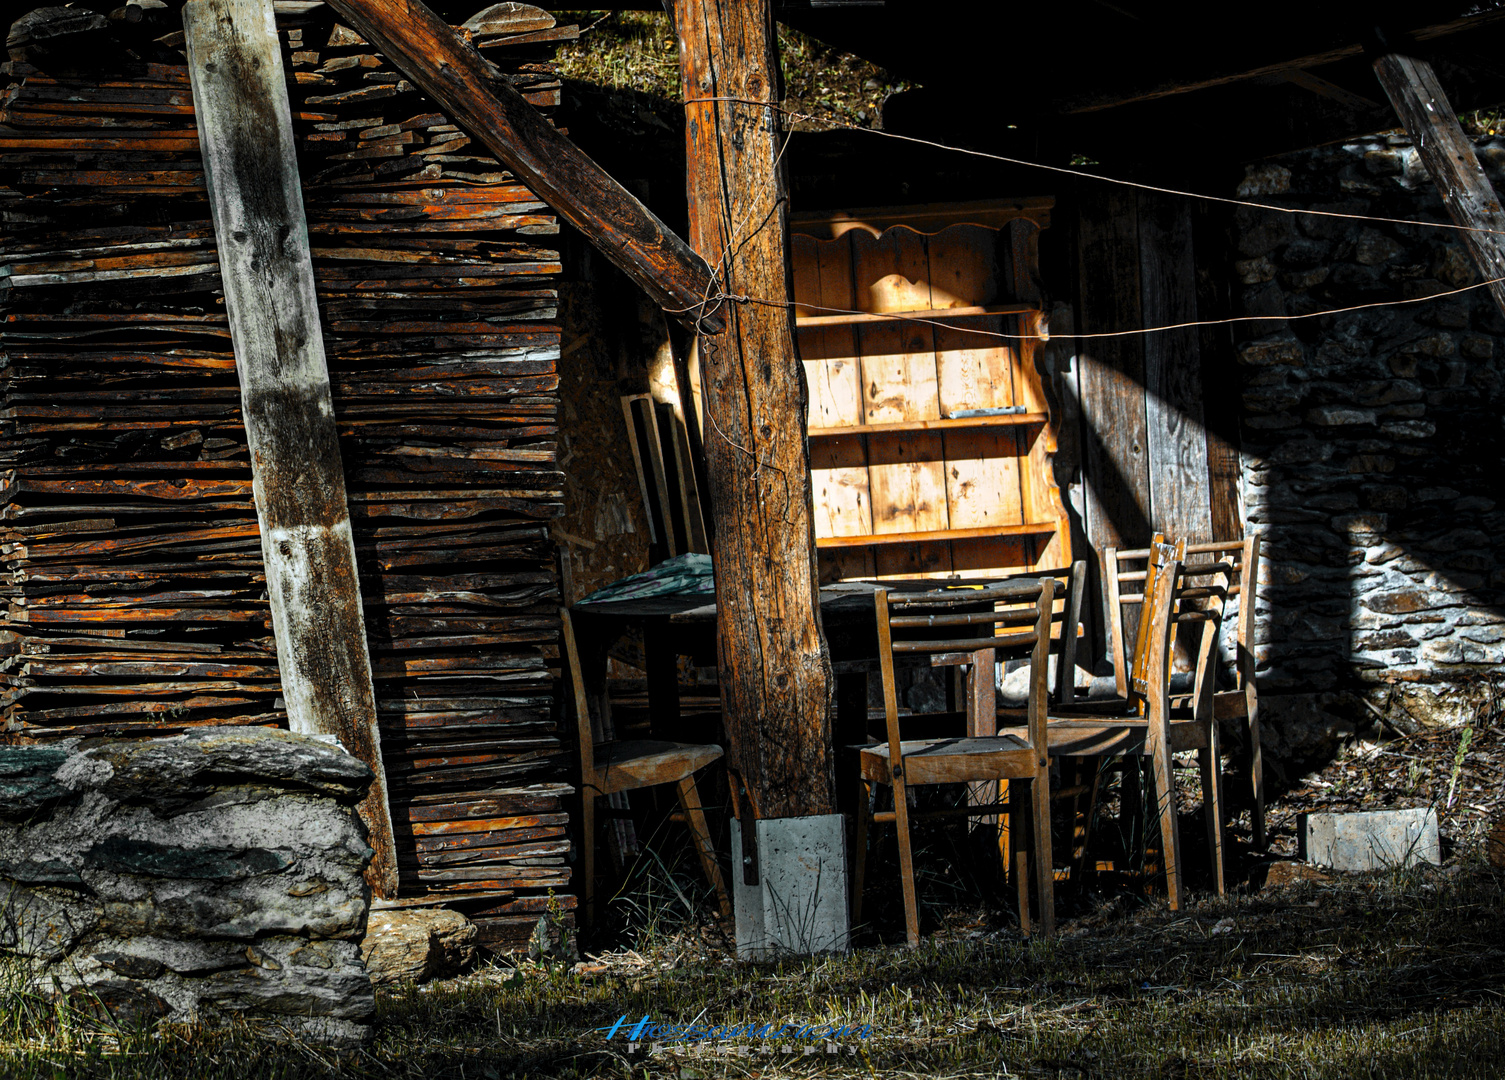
930, 432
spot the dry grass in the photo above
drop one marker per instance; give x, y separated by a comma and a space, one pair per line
636, 50
1390, 975
1396, 975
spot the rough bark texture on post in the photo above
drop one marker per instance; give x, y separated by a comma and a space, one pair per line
245, 130
479, 99
1448, 154
775, 670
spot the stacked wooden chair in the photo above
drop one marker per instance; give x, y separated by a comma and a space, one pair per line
1167, 598
609, 767
968, 626
1215, 573
1144, 722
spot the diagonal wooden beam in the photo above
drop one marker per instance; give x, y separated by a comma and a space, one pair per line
246, 134
479, 99
1448, 154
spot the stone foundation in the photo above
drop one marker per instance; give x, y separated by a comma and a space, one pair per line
1371, 450
207, 877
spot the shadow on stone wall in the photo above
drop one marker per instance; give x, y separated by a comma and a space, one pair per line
1371, 452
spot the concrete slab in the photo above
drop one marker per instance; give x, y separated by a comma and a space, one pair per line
1372, 839
799, 906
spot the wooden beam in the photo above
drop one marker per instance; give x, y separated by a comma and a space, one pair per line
245, 131
1448, 154
481, 100
775, 670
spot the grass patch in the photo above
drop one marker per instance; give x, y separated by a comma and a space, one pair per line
1395, 975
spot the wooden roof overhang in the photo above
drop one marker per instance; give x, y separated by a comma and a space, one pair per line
1129, 82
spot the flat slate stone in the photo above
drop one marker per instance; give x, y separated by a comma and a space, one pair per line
799, 906
28, 779
1373, 839
215, 876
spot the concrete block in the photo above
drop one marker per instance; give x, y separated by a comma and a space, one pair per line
1372, 840
799, 906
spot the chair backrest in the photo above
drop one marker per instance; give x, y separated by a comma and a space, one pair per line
1213, 571
1012, 616
1066, 624
585, 736
1158, 619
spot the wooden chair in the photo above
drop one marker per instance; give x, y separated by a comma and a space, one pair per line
970, 626
1065, 635
1216, 572
1147, 721
607, 768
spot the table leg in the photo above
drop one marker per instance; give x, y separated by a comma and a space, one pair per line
663, 686
848, 728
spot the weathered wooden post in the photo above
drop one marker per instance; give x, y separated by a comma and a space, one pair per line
1448, 154
774, 667
245, 130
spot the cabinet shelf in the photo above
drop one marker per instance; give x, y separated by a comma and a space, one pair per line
950, 423
1029, 528
934, 315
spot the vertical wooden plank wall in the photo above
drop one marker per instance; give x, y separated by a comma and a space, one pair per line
1176, 439
1158, 411
1111, 372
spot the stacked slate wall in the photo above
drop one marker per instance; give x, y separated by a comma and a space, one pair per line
134, 594
1371, 448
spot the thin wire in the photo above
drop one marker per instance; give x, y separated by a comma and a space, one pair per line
722, 296
897, 317
1453, 226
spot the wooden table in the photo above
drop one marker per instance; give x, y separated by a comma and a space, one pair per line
686, 625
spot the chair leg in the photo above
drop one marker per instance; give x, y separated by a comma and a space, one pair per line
1256, 769
1045, 883
1005, 826
1209, 761
588, 851
1018, 818
906, 864
859, 850
1165, 799
1086, 813
689, 798
1131, 816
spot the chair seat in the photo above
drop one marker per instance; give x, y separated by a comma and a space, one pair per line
1095, 736
638, 763
952, 761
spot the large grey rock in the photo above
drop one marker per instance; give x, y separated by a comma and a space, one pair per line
417, 944
196, 877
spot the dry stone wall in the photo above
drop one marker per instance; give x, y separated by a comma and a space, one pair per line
211, 876
1371, 447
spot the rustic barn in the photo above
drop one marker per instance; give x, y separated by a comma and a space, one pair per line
503, 388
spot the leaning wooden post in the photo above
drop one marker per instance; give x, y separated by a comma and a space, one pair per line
1448, 154
775, 670
246, 135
